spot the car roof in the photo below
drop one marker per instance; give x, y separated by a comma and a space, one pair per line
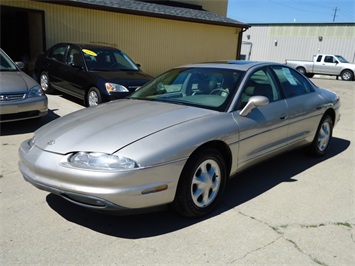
231, 64
89, 45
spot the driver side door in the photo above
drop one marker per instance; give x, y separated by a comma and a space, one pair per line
263, 131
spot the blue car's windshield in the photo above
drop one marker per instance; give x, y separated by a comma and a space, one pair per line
6, 64
210, 88
108, 60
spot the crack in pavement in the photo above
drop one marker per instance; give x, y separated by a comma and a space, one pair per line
281, 235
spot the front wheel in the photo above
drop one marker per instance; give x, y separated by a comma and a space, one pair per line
93, 97
201, 185
347, 75
323, 137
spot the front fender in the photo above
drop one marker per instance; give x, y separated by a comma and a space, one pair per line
180, 141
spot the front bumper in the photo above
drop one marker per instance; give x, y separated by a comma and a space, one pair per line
24, 109
100, 190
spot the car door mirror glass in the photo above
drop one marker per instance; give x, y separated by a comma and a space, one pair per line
20, 65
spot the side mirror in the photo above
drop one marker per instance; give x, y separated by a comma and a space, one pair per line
76, 66
20, 65
254, 102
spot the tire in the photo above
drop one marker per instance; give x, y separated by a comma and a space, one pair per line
309, 75
301, 70
323, 137
201, 185
93, 97
45, 84
347, 75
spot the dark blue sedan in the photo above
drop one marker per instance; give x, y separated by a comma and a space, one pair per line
91, 72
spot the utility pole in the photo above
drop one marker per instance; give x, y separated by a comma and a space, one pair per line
335, 13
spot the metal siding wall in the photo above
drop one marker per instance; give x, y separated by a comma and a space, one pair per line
157, 44
300, 41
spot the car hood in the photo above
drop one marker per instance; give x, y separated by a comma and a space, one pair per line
112, 126
15, 81
126, 78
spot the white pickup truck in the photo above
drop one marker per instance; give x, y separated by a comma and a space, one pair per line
325, 64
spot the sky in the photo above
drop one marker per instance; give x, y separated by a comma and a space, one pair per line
291, 11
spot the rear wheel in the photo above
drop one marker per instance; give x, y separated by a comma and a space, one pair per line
301, 70
44, 81
323, 137
347, 75
93, 97
201, 184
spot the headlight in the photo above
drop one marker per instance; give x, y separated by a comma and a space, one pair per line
36, 91
96, 160
31, 142
112, 87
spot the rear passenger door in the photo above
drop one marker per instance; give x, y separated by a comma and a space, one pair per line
301, 102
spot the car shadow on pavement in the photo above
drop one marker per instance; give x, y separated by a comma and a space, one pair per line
27, 126
244, 187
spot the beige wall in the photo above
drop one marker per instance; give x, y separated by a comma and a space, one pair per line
157, 44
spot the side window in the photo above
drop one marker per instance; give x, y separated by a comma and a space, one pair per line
58, 53
74, 57
329, 59
293, 84
260, 83
319, 58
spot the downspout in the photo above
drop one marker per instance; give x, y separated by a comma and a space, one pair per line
240, 37
250, 48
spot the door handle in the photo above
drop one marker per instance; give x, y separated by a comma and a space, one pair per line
283, 117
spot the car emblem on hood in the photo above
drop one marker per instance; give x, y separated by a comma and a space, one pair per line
4, 98
51, 142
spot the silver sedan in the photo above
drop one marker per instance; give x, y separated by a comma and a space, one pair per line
177, 140
21, 97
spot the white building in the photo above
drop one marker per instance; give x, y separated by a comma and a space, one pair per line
277, 42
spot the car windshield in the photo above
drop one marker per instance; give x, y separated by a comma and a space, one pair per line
100, 59
210, 88
342, 59
5, 63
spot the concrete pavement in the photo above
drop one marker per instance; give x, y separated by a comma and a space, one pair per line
291, 210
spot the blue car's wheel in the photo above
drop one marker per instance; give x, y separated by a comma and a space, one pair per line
44, 81
201, 184
93, 97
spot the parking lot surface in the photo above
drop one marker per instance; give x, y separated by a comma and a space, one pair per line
291, 210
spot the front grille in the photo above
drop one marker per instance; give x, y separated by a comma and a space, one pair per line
12, 97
